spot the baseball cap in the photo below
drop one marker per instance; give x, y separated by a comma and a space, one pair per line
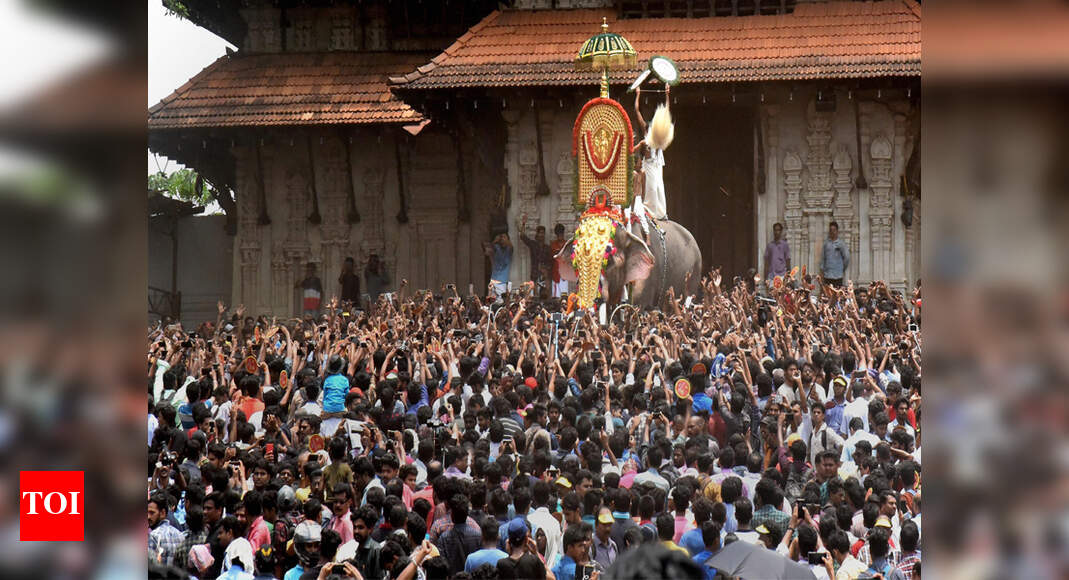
606, 518
563, 482
307, 532
531, 382
517, 530
761, 529
883, 522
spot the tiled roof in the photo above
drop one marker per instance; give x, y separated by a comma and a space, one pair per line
290, 89
819, 40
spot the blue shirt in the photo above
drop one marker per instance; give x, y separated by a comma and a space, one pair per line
692, 541
484, 556
423, 401
500, 262
708, 572
334, 390
294, 573
835, 259
702, 402
834, 417
565, 568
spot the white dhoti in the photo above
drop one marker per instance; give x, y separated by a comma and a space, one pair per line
653, 198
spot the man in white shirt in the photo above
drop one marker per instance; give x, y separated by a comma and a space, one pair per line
818, 436
542, 520
859, 407
857, 433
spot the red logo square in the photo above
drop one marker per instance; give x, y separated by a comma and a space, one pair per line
51, 506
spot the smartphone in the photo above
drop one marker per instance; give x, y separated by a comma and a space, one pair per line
580, 333
585, 572
269, 448
816, 558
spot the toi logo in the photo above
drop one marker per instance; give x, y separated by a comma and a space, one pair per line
51, 506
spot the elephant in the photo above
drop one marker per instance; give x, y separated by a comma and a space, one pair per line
644, 265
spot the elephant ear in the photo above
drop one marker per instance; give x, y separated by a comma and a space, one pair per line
639, 262
564, 262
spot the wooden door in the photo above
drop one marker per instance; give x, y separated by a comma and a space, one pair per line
709, 183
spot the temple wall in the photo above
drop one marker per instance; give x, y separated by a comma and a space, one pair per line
430, 249
811, 171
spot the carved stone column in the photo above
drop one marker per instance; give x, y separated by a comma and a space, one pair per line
250, 275
374, 239
334, 196
844, 212
566, 214
900, 238
797, 236
281, 283
249, 238
818, 191
881, 206
295, 249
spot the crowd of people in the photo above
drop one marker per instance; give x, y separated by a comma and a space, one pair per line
437, 436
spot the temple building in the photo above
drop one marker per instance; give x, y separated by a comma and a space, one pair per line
418, 130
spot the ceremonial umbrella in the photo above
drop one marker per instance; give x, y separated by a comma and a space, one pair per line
604, 51
753, 561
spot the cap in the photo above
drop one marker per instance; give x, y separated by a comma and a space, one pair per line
531, 382
563, 481
883, 522
761, 529
517, 530
606, 518
307, 532
698, 369
792, 438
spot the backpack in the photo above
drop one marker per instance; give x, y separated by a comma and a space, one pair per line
795, 485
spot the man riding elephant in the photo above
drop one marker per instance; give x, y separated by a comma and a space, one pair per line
606, 255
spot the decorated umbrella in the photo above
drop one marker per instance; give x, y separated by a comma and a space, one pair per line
754, 561
605, 51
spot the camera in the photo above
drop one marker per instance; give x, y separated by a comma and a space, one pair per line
816, 558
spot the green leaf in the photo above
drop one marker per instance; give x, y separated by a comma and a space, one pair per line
182, 185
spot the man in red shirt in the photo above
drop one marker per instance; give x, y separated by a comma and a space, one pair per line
258, 533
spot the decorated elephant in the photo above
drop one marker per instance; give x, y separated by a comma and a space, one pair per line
604, 249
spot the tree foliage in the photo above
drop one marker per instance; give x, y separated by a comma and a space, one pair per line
177, 8
181, 184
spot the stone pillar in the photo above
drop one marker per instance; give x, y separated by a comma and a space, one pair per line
566, 213
333, 171
797, 236
374, 239
881, 206
249, 239
295, 249
844, 213
899, 256
818, 190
